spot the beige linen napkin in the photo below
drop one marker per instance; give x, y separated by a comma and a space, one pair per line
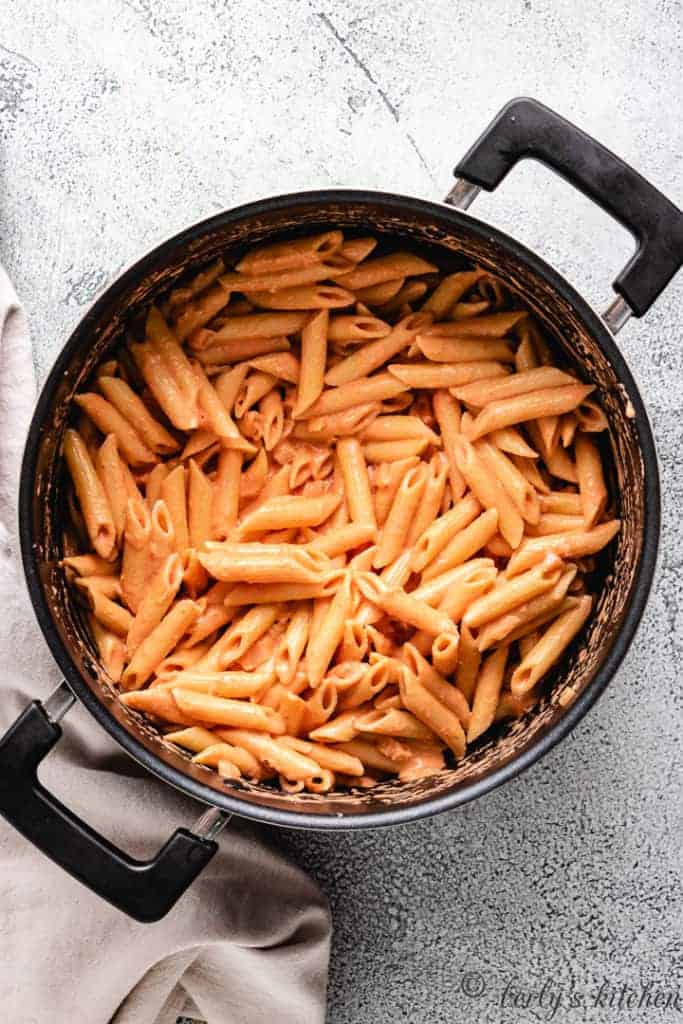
247, 944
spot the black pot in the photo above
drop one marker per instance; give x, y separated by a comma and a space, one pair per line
147, 890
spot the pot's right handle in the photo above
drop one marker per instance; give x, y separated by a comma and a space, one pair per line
525, 128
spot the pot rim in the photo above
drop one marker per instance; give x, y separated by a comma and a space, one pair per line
465, 792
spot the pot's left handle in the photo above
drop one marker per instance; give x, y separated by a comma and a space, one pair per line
145, 890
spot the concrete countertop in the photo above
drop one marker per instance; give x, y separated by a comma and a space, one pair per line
119, 128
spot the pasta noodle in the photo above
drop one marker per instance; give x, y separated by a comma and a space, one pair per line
394, 537
97, 513
448, 414
313, 359
445, 375
373, 355
356, 482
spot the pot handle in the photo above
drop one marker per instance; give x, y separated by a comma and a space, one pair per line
145, 890
525, 128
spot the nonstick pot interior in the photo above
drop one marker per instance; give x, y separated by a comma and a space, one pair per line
452, 241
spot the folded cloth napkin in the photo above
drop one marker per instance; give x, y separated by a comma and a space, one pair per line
247, 944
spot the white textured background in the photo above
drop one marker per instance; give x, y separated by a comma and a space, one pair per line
122, 122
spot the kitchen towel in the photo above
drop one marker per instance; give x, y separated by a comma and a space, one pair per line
247, 944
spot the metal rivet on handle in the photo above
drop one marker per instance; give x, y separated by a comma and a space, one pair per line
616, 314
58, 703
463, 194
210, 824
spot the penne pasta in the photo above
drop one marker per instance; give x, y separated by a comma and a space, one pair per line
110, 471
435, 715
356, 249
445, 375
158, 643
130, 406
196, 738
155, 602
276, 281
218, 755
89, 565
438, 535
591, 480
529, 406
313, 359
432, 680
266, 593
463, 350
488, 686
322, 296
448, 415
204, 707
449, 291
344, 538
226, 493
489, 491
348, 327
157, 375
494, 325
135, 563
323, 642
399, 428
376, 388
373, 355
394, 451
293, 644
431, 499
164, 342
201, 281
508, 625
393, 722
354, 472
279, 513
463, 545
95, 507
445, 650
469, 660
571, 545
517, 384
327, 757
254, 326
511, 592
590, 417
509, 440
112, 616
402, 606
562, 503
272, 754
264, 563
201, 309
394, 536
275, 257
199, 505
157, 702
172, 493
232, 685
514, 483
153, 482
385, 268
379, 294
108, 420
550, 647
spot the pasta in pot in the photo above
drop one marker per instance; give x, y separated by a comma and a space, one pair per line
337, 513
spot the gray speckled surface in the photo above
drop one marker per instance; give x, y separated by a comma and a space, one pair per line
119, 128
